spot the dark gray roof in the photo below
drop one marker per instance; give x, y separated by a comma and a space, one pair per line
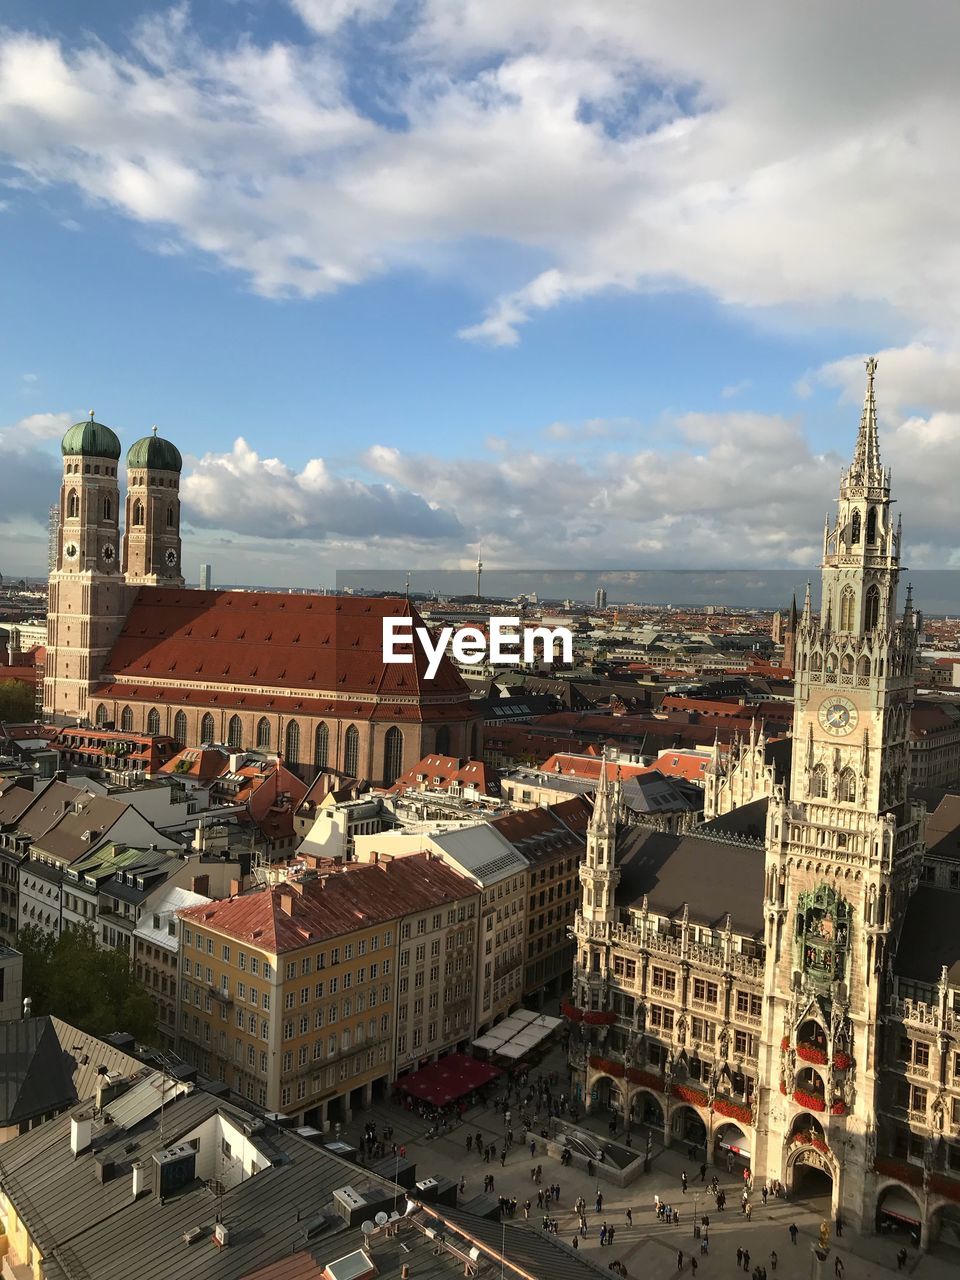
712, 876
34, 1079
748, 820
942, 833
97, 1231
930, 937
533, 1250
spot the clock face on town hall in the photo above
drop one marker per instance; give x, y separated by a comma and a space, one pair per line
838, 716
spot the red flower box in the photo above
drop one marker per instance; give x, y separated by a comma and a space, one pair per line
732, 1110
785, 1042
599, 1017
608, 1066
810, 1140
783, 1087
696, 1097
838, 1108
842, 1061
811, 1053
809, 1100
646, 1078
899, 1169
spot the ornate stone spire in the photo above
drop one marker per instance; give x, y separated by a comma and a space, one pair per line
865, 468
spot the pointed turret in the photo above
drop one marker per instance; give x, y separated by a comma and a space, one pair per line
865, 468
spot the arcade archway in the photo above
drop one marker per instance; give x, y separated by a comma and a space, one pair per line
810, 1176
899, 1213
686, 1126
731, 1147
646, 1108
606, 1095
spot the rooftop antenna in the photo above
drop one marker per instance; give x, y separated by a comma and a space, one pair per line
407, 589
479, 566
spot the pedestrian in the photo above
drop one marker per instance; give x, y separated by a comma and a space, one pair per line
469, 1141
748, 1210
838, 1267
764, 1193
610, 1231
773, 1260
703, 1172
794, 1231
693, 1264
739, 1258
629, 1218
679, 1259
746, 1259
839, 1226
901, 1259
533, 1148
603, 1235
503, 1157
599, 1205
576, 1242
683, 1181
463, 1185
656, 1204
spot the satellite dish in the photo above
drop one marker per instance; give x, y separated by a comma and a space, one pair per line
381, 1219
367, 1227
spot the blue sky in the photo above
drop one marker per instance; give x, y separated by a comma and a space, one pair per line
587, 285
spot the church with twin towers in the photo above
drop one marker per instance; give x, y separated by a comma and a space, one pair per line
792, 1004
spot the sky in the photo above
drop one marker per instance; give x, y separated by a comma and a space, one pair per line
588, 284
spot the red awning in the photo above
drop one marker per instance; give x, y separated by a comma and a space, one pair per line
450, 1078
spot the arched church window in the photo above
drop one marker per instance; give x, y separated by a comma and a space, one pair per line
831, 663
846, 609
138, 512
816, 663
100, 717
126, 720
153, 721
207, 729
292, 751
818, 781
107, 509
392, 755
864, 668
871, 526
180, 729
441, 743
855, 528
321, 746
263, 733
846, 665
351, 751
847, 786
171, 518
73, 504
235, 733
872, 610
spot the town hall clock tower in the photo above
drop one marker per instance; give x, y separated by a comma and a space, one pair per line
843, 848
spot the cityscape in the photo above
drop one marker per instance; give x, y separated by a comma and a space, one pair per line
510, 831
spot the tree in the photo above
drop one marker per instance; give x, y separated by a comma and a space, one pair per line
87, 985
17, 702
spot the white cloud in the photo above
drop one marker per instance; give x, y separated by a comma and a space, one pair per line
798, 157
34, 427
734, 389
915, 376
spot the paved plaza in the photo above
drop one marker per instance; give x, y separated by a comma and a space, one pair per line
648, 1248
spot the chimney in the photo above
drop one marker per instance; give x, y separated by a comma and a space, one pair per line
81, 1133
201, 885
139, 1178
235, 888
27, 1006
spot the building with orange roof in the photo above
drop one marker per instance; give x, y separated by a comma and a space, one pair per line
450, 774
289, 994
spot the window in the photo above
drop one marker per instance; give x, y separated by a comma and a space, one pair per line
321, 746
706, 992
207, 730
292, 751
263, 733
392, 755
872, 611
818, 781
351, 751
235, 733
663, 979
855, 528
126, 720
137, 513
101, 715
872, 525
847, 786
73, 505
153, 722
846, 609
180, 729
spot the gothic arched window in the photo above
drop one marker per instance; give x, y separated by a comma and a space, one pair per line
321, 746
126, 720
855, 528
872, 525
235, 733
441, 743
153, 721
818, 781
846, 609
846, 665
864, 668
100, 718
263, 732
138, 512
207, 729
107, 509
180, 729
171, 518
292, 752
73, 504
872, 610
351, 751
816, 663
847, 786
392, 755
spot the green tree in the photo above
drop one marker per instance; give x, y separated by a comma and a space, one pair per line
87, 985
17, 702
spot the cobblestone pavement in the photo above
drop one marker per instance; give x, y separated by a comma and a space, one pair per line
649, 1248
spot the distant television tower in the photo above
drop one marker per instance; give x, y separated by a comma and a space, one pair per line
479, 568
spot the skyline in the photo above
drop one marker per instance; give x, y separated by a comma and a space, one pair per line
260, 226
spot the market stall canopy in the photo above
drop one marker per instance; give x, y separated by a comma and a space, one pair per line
448, 1079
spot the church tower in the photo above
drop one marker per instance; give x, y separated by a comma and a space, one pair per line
151, 536
599, 873
843, 849
87, 601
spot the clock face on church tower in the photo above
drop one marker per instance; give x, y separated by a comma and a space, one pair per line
171, 557
837, 716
